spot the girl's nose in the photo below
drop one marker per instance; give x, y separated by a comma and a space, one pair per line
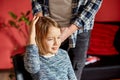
56, 42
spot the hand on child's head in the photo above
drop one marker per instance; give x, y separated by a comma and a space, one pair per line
35, 18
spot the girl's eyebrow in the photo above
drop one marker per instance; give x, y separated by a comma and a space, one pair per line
49, 37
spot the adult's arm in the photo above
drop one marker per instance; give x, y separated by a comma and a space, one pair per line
37, 7
83, 18
88, 13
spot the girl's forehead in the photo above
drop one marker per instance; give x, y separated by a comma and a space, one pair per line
53, 28
54, 31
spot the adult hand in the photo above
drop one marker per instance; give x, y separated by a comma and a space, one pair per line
39, 14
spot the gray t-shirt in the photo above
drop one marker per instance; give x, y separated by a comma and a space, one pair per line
60, 11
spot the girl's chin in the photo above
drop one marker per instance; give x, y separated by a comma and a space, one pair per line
54, 51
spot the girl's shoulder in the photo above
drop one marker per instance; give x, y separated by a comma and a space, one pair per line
62, 52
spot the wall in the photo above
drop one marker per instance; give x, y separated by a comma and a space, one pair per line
11, 39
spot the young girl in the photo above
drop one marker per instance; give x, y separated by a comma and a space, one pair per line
43, 58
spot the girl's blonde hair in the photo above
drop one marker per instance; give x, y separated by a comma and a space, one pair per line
42, 27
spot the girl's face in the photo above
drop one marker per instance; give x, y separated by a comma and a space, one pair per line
52, 42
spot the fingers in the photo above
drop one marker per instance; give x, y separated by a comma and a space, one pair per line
35, 18
32, 25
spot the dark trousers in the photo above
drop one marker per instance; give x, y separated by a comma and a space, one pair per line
78, 54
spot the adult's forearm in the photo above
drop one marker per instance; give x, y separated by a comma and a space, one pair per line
68, 31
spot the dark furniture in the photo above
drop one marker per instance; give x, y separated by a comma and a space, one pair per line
107, 68
20, 72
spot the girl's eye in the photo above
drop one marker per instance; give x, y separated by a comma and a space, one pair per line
50, 39
58, 37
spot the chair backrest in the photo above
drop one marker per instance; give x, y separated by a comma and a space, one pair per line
20, 72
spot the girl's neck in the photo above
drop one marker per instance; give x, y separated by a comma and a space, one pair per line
49, 55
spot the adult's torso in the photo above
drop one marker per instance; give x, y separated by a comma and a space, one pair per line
60, 11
